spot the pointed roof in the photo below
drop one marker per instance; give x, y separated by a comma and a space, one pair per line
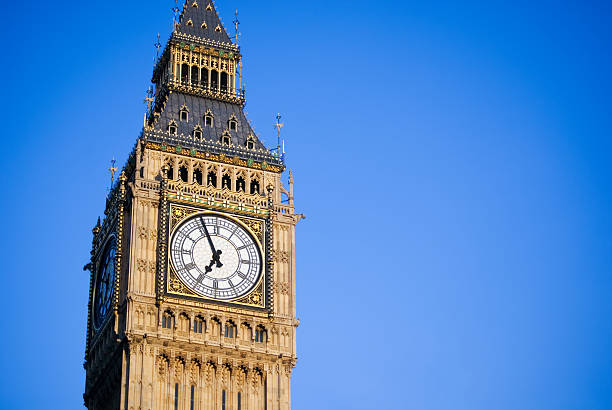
199, 19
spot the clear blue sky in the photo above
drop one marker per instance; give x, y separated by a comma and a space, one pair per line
452, 159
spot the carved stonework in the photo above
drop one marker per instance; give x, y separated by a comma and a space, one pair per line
176, 286
256, 226
284, 288
209, 373
162, 367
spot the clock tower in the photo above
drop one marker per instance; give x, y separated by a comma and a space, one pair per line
192, 290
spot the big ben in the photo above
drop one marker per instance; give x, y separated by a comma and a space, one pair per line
192, 289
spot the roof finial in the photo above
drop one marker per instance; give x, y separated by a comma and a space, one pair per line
278, 127
236, 24
149, 101
237, 36
157, 45
113, 168
175, 9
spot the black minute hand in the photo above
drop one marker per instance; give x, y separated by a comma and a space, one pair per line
216, 257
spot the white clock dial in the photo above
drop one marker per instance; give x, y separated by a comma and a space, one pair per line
216, 257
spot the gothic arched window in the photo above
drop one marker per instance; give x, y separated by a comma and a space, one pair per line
204, 76
167, 320
254, 187
170, 172
208, 119
185, 74
226, 182
184, 113
224, 84
197, 176
240, 184
233, 125
214, 79
197, 132
226, 139
260, 333
198, 325
211, 180
250, 142
192, 402
183, 174
194, 75
230, 330
172, 128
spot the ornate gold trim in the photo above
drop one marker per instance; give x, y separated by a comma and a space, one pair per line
256, 298
220, 158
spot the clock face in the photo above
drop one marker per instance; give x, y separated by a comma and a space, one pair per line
216, 257
105, 283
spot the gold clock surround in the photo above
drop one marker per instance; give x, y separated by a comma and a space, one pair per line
256, 298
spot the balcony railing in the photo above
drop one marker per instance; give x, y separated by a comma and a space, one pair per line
188, 141
212, 89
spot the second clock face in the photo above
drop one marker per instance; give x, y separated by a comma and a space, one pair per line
216, 257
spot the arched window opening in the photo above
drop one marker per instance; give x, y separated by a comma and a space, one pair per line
197, 133
214, 79
183, 174
230, 330
254, 187
185, 74
198, 325
176, 394
192, 402
204, 76
194, 75
211, 180
226, 182
260, 333
172, 128
233, 125
197, 176
208, 120
226, 140
223, 82
250, 143
170, 172
167, 320
184, 114
240, 184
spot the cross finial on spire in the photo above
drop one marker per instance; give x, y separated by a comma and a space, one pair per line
113, 168
157, 46
278, 127
149, 101
236, 25
175, 9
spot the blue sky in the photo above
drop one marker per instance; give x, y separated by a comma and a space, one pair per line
451, 158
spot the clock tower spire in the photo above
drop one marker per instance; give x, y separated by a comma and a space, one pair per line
192, 290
